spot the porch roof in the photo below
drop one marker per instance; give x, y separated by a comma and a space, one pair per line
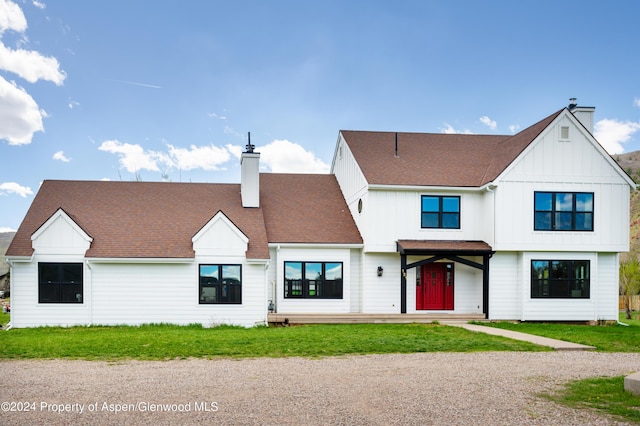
442, 246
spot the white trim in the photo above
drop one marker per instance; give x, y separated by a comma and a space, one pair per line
61, 213
140, 259
422, 188
217, 217
315, 245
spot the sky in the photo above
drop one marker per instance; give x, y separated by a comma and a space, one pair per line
168, 91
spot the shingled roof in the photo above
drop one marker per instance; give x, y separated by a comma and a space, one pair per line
159, 219
141, 219
437, 159
305, 208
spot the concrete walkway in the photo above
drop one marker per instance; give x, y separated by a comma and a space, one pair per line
559, 345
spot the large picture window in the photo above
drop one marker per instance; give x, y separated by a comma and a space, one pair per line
220, 284
440, 212
563, 211
60, 282
560, 279
313, 280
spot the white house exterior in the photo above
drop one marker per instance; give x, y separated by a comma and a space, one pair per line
524, 227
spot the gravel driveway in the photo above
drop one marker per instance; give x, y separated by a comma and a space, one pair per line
421, 389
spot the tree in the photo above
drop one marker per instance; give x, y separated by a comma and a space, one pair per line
629, 279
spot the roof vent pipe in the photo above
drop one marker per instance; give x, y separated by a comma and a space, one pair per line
396, 154
573, 102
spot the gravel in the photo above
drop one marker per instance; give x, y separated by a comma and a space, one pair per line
497, 388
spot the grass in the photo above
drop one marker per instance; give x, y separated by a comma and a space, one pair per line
605, 394
162, 342
605, 338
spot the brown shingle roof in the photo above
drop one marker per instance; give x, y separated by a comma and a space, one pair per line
408, 246
141, 219
438, 159
301, 208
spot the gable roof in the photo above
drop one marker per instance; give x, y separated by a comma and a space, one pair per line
141, 219
438, 159
160, 219
305, 208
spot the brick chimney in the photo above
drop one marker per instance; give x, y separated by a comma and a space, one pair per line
250, 176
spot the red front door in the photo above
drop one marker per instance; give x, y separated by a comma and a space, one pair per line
434, 287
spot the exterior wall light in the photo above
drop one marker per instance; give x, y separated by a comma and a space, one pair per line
380, 270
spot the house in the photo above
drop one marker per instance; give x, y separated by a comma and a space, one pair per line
521, 227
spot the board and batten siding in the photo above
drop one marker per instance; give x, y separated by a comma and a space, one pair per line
305, 253
573, 165
396, 215
352, 182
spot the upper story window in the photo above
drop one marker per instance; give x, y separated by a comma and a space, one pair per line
60, 282
563, 211
313, 280
221, 284
439, 211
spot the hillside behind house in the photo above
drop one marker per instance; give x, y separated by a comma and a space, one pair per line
630, 162
5, 240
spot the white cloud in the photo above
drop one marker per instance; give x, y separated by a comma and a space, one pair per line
39, 4
31, 65
20, 116
73, 104
197, 157
235, 150
636, 102
514, 128
11, 17
282, 156
6, 229
132, 157
613, 133
61, 157
7, 188
448, 129
488, 122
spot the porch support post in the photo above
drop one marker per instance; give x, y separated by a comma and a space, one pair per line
403, 283
485, 285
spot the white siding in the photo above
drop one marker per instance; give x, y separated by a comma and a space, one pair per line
310, 254
576, 165
559, 309
381, 294
355, 281
352, 183
606, 288
505, 286
396, 215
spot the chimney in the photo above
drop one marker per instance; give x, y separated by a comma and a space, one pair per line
250, 176
583, 114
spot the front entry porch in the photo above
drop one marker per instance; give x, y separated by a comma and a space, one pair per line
358, 318
435, 283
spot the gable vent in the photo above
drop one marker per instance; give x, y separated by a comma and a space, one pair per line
564, 133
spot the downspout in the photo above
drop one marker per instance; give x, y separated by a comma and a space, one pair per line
91, 286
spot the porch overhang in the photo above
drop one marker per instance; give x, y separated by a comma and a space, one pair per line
435, 250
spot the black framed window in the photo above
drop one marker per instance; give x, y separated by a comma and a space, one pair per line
220, 284
60, 282
563, 211
560, 279
313, 280
438, 211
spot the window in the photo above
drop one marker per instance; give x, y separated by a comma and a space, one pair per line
60, 282
560, 279
440, 212
313, 280
220, 284
563, 211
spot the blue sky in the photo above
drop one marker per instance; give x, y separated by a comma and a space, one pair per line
120, 90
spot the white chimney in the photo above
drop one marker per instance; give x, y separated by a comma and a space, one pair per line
583, 114
250, 176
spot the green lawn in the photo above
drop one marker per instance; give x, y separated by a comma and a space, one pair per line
606, 338
160, 342
604, 394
